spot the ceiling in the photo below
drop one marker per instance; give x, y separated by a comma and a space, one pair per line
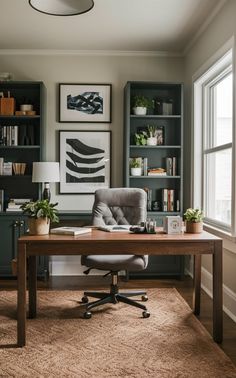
123, 25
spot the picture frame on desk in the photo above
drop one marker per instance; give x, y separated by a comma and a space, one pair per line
85, 161
85, 103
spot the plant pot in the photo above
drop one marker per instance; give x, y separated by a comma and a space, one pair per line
39, 226
140, 110
152, 141
194, 227
136, 171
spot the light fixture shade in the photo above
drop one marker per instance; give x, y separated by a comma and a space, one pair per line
46, 172
62, 7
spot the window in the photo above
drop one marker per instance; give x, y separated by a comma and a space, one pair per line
213, 132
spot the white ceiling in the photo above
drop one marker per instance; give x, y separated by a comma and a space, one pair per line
124, 25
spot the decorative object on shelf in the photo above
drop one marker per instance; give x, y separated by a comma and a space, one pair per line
140, 104
6, 76
172, 224
193, 220
163, 106
136, 166
62, 8
85, 161
85, 103
46, 172
7, 104
40, 214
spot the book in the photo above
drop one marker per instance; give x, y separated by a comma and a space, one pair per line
70, 230
9, 209
115, 228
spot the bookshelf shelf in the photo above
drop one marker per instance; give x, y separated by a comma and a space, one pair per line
20, 147
21, 139
165, 193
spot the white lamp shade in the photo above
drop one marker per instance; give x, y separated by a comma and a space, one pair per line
62, 7
46, 172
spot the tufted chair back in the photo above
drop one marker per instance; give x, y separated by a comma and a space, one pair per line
119, 206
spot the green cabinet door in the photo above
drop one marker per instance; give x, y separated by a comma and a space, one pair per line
12, 226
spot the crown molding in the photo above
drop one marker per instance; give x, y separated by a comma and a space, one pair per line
52, 52
204, 26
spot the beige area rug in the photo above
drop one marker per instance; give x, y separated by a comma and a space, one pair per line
115, 342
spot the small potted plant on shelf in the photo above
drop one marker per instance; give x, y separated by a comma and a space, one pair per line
151, 135
140, 139
193, 220
140, 104
40, 214
136, 167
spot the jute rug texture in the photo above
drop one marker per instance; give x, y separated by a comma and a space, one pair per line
115, 342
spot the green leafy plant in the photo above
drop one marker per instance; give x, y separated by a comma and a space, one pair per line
142, 101
41, 209
135, 163
140, 139
193, 215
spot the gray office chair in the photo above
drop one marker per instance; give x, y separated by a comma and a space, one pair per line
111, 207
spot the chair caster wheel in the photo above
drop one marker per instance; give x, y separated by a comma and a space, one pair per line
84, 299
146, 314
144, 298
87, 315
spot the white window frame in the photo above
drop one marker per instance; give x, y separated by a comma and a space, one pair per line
216, 68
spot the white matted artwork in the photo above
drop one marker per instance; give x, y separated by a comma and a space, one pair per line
85, 103
85, 161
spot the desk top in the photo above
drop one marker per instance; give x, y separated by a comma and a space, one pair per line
103, 236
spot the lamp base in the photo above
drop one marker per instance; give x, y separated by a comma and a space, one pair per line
47, 193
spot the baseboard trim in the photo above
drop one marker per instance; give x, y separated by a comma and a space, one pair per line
229, 297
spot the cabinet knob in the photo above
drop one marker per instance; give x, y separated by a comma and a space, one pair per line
16, 223
22, 223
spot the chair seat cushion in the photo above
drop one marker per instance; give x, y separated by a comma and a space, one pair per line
131, 263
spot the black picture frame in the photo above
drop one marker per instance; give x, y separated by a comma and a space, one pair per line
87, 103
85, 161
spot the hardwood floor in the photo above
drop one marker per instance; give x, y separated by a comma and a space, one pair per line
184, 287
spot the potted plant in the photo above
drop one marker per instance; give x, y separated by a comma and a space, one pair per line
140, 104
151, 135
193, 219
40, 214
140, 139
136, 167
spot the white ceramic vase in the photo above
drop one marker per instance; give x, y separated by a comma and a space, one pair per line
136, 171
139, 110
152, 141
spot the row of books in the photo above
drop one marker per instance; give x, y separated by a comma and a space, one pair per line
9, 135
5, 167
23, 135
169, 202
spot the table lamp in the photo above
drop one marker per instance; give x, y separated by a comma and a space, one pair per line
46, 172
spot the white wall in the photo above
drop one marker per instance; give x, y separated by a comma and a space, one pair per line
221, 29
116, 70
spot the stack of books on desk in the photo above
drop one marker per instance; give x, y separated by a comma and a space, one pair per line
70, 230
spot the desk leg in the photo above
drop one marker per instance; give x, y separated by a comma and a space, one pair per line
197, 284
21, 295
32, 282
217, 293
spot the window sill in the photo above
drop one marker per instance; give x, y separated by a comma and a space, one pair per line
229, 241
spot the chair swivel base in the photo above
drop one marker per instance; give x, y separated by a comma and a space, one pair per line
114, 297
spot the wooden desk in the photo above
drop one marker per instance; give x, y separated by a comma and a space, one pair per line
99, 242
